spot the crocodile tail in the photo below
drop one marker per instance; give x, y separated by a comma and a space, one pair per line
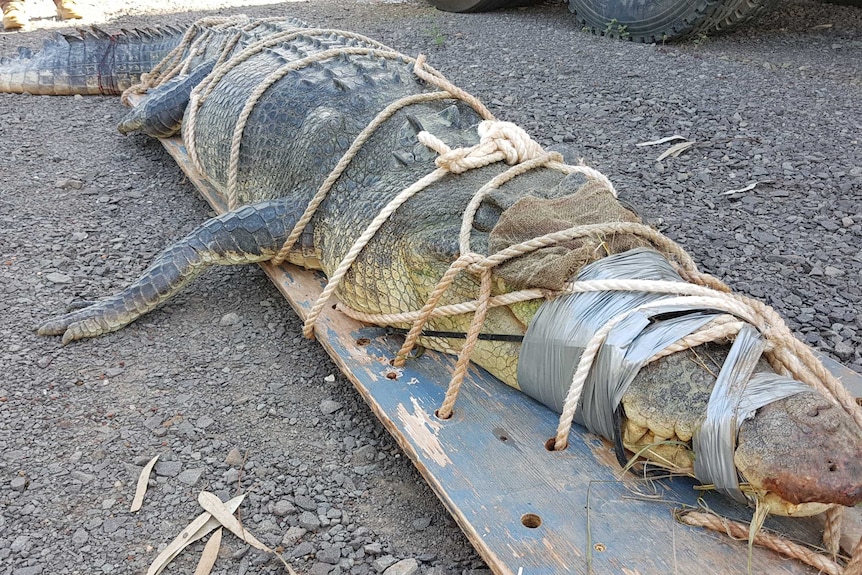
89, 62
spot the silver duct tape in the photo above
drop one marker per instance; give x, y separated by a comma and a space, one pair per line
628, 347
763, 389
562, 327
715, 441
737, 395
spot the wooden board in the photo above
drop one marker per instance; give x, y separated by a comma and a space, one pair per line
526, 510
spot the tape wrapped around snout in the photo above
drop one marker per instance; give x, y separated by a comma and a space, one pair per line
562, 328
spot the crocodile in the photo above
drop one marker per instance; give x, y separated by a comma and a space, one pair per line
800, 455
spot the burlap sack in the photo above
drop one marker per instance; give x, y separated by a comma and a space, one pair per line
552, 267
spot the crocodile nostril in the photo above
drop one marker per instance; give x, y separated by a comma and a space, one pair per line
816, 410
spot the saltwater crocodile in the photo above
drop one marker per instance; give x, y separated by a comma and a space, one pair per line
800, 454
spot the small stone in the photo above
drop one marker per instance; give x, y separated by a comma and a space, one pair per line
403, 567
114, 371
383, 563
303, 549
293, 535
108, 503
331, 555
305, 502
234, 457
68, 184
422, 523
80, 536
58, 278
373, 548
204, 421
427, 557
20, 543
309, 521
320, 569
364, 454
79, 236
19, 483
82, 477
331, 378
168, 468
283, 507
328, 406
229, 319
191, 476
267, 526
844, 350
231, 476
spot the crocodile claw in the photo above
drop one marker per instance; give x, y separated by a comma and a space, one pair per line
87, 320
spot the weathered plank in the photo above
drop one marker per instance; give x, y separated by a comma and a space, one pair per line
525, 509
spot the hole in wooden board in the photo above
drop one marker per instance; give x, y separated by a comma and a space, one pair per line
438, 416
599, 547
549, 445
531, 520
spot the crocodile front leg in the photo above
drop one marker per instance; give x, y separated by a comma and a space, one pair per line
250, 234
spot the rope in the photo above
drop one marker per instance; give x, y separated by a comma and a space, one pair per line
778, 544
344, 162
445, 410
832, 530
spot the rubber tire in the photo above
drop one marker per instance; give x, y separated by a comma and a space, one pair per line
478, 5
665, 20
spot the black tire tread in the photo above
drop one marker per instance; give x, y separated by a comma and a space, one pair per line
669, 19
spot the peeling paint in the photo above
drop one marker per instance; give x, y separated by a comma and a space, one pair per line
422, 429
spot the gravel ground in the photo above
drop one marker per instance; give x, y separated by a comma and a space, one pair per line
221, 384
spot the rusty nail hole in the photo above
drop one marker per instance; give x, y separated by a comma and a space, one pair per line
392, 375
334, 306
549, 445
503, 438
438, 416
599, 547
363, 341
531, 520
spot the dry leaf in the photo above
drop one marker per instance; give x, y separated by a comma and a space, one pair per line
661, 141
746, 188
201, 526
141, 489
219, 510
210, 554
675, 150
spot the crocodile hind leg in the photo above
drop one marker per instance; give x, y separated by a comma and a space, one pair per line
250, 234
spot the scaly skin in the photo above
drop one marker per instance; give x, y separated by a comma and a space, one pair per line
294, 137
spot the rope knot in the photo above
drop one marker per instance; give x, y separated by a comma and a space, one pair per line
512, 140
498, 141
